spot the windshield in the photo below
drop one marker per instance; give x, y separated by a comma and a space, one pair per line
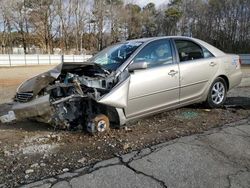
114, 56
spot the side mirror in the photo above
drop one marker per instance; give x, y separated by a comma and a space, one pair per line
137, 66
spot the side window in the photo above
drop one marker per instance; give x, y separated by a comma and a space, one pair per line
188, 50
207, 54
156, 53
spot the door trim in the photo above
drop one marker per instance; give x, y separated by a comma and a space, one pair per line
195, 83
153, 93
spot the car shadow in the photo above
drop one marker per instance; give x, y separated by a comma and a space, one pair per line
26, 125
238, 102
231, 102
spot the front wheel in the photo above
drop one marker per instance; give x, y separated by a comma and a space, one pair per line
98, 124
217, 93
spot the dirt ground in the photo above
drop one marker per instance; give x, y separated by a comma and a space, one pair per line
31, 151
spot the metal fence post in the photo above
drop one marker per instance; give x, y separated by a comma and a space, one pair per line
49, 60
25, 59
9, 60
62, 58
38, 59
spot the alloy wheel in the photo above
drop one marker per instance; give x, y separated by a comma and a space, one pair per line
218, 92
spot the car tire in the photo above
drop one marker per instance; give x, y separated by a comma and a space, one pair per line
217, 93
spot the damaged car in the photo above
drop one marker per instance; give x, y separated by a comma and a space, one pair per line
129, 80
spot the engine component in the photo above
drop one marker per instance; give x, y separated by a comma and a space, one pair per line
68, 113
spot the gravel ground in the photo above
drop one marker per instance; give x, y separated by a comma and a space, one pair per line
31, 151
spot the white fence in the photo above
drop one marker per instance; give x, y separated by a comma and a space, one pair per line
9, 60
245, 59
27, 60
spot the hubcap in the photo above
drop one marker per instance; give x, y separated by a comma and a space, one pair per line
218, 92
101, 126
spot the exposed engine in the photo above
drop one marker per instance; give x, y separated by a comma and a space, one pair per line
73, 95
74, 92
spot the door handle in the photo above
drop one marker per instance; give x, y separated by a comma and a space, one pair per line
172, 73
212, 64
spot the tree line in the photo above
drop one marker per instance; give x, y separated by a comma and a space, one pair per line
74, 26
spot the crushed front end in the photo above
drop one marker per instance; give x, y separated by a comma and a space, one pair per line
69, 99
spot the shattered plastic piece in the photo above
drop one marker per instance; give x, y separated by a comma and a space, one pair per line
8, 117
207, 110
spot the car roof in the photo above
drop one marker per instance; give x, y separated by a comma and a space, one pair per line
211, 48
155, 38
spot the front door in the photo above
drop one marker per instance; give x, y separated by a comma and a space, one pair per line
157, 86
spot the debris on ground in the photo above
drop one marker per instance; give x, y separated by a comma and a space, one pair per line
8, 117
207, 110
127, 129
65, 170
82, 160
190, 114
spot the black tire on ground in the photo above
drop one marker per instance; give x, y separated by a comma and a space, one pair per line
217, 93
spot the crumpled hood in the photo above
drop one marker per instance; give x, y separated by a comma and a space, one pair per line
37, 83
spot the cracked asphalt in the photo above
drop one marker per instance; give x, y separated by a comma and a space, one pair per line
219, 157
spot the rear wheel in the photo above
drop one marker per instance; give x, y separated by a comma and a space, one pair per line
217, 93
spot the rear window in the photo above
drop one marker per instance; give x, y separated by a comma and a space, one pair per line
188, 50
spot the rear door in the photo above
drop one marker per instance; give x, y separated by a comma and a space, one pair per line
157, 86
197, 69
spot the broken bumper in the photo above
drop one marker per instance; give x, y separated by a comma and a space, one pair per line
37, 108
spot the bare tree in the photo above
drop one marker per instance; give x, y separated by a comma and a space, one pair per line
6, 39
73, 25
99, 13
133, 20
80, 17
115, 9
19, 14
149, 18
43, 19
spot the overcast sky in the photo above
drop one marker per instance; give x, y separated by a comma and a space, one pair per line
145, 2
